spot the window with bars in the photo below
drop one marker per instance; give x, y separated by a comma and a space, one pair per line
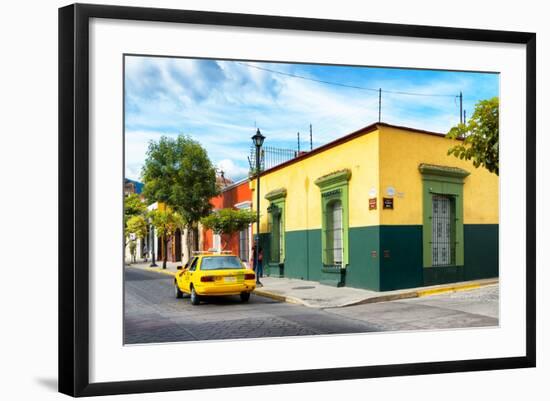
334, 191
244, 244
276, 234
443, 220
276, 225
443, 241
334, 233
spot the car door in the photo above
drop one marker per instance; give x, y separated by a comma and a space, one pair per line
180, 275
188, 275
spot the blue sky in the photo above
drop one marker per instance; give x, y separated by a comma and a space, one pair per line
220, 103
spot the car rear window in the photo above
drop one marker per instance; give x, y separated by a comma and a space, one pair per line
221, 262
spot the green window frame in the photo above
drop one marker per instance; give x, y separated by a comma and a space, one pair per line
443, 182
276, 222
334, 188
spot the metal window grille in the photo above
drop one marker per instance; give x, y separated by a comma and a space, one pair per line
443, 244
275, 254
335, 234
244, 243
281, 242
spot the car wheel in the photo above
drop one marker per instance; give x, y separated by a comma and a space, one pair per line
195, 299
245, 296
177, 290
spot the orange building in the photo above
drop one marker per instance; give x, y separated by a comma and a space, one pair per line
236, 196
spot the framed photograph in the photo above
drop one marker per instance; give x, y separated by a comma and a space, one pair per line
326, 194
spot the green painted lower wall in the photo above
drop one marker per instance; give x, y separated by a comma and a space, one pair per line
303, 257
481, 251
363, 270
400, 257
384, 258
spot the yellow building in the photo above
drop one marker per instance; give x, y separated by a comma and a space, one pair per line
382, 208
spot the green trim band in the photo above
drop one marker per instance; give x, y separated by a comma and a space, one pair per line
275, 194
445, 171
335, 177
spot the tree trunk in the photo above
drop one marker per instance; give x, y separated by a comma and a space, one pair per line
164, 251
195, 238
188, 242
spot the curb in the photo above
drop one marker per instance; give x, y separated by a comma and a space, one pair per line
437, 291
281, 298
159, 270
382, 298
425, 293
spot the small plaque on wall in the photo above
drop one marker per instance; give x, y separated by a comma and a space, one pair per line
388, 203
372, 203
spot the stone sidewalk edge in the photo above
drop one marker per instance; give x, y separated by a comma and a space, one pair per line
381, 298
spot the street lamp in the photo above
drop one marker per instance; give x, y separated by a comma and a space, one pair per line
258, 140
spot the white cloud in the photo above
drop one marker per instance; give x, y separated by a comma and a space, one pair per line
231, 170
220, 103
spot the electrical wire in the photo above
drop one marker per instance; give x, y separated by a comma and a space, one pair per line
344, 85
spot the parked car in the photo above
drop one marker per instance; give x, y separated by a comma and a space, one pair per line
214, 274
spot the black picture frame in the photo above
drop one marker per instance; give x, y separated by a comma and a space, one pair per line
74, 200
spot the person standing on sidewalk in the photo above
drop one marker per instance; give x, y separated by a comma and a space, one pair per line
258, 269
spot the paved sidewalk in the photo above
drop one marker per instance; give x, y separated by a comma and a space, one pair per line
315, 295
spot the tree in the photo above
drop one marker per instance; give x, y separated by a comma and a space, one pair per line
138, 226
228, 221
166, 222
480, 136
133, 205
179, 173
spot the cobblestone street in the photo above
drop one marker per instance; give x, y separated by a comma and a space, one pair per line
154, 315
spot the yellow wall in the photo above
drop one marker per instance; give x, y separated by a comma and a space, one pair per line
401, 151
303, 200
386, 157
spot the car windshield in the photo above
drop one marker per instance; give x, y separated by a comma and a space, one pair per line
221, 262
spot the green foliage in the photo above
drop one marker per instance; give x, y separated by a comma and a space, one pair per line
133, 205
228, 221
179, 173
136, 225
166, 222
480, 135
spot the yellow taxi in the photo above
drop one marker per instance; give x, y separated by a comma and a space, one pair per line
214, 274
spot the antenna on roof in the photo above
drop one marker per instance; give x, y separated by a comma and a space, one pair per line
379, 104
460, 97
298, 142
310, 137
